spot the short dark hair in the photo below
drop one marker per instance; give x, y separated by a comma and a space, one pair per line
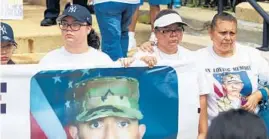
224, 17
237, 124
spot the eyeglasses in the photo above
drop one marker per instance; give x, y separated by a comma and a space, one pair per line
8, 47
167, 31
74, 26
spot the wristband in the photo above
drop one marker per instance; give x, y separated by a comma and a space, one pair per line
264, 94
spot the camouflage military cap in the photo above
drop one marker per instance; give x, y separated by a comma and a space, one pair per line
108, 96
232, 78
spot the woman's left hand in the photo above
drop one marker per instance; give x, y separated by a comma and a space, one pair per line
126, 62
252, 101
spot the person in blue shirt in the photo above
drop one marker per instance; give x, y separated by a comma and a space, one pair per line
114, 18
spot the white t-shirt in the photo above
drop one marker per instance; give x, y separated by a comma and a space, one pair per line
232, 78
185, 56
121, 1
61, 56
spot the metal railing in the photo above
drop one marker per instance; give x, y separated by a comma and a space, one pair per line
265, 16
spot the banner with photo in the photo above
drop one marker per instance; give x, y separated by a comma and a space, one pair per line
66, 103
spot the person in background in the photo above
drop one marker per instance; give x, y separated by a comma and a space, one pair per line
237, 124
53, 10
114, 18
132, 41
176, 3
8, 43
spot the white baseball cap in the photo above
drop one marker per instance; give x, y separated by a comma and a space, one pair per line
168, 19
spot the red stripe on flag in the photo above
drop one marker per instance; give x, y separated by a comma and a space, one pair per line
217, 91
36, 131
68, 134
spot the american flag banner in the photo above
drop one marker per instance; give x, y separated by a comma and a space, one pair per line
40, 103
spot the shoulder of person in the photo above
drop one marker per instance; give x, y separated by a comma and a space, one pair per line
102, 55
248, 50
98, 52
185, 50
203, 51
50, 56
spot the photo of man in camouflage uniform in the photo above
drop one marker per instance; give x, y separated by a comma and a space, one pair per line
109, 109
232, 86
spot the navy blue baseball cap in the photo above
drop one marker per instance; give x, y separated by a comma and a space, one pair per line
7, 34
78, 12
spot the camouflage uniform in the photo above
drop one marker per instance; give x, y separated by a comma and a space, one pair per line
224, 103
108, 96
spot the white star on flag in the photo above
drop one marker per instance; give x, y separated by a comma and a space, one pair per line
70, 84
67, 104
85, 72
56, 79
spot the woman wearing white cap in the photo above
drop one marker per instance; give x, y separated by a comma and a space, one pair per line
168, 28
154, 10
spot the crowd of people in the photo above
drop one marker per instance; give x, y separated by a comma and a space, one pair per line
232, 79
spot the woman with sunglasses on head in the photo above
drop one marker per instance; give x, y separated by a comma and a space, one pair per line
8, 44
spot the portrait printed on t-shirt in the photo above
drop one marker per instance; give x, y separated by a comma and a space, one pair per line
231, 89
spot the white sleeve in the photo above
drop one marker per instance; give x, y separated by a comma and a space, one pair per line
204, 79
203, 83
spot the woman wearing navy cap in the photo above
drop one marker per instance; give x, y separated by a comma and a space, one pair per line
75, 24
8, 44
